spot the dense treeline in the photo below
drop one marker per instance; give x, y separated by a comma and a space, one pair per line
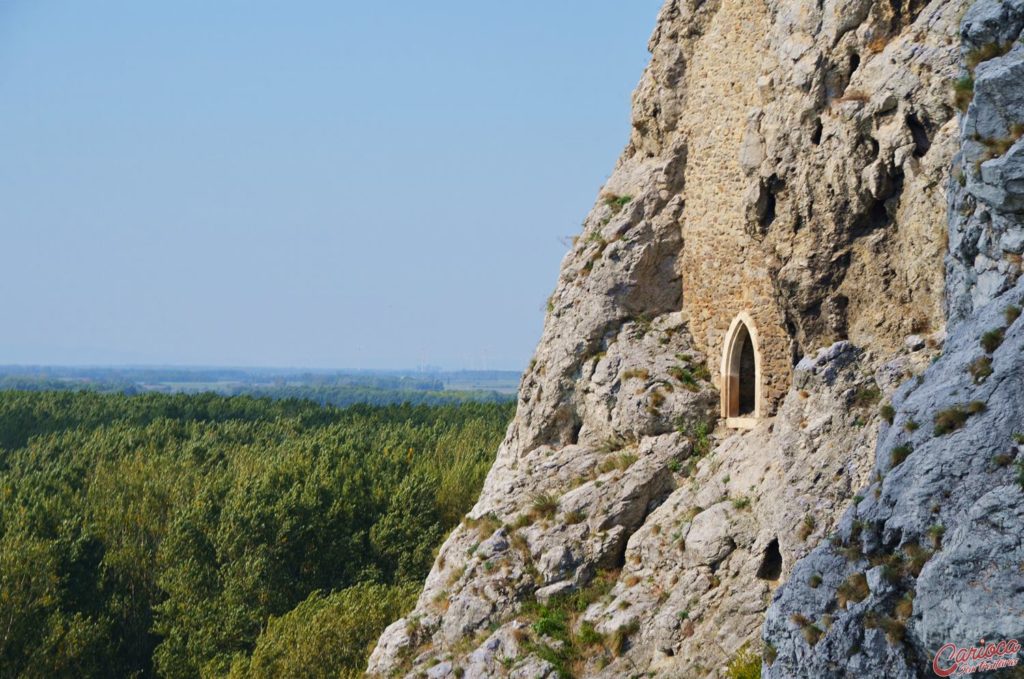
336, 389
185, 536
342, 396
338, 395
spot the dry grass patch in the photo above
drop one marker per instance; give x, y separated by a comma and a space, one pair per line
1011, 313
900, 453
620, 462
980, 369
806, 527
979, 55
853, 590
543, 505
636, 373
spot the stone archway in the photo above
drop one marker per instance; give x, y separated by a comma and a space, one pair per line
742, 400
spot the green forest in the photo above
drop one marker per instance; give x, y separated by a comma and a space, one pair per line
212, 536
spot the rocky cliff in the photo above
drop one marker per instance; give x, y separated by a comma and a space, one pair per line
933, 551
827, 184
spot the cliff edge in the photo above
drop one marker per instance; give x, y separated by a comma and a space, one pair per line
753, 315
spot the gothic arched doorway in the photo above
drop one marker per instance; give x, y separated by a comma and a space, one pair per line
741, 374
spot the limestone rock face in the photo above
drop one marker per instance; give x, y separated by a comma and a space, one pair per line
788, 167
932, 554
699, 573
937, 535
987, 191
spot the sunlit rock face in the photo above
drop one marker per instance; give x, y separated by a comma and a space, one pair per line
802, 169
937, 537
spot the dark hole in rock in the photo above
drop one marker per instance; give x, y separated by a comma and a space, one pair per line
920, 134
878, 216
854, 62
769, 190
769, 211
880, 213
574, 435
873, 146
816, 133
771, 564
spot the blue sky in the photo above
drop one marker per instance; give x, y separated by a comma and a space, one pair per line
303, 184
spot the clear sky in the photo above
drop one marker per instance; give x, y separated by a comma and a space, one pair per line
317, 183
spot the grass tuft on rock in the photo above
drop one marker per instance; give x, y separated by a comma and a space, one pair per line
963, 92
853, 590
887, 412
980, 369
955, 417
1011, 314
544, 505
622, 462
746, 664
867, 396
806, 527
991, 339
979, 55
900, 453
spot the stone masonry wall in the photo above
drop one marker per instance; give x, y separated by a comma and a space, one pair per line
724, 270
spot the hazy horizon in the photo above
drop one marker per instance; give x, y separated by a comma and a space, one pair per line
325, 186
254, 368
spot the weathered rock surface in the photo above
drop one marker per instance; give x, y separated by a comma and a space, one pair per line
938, 536
987, 197
789, 161
699, 573
933, 554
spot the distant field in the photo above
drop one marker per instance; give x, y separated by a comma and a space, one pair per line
337, 388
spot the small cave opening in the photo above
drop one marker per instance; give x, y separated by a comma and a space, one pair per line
794, 344
771, 562
919, 132
854, 64
767, 202
881, 213
768, 216
816, 132
872, 148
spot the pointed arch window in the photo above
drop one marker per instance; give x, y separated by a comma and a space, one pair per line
741, 374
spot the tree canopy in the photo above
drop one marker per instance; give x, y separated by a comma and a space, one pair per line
201, 535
